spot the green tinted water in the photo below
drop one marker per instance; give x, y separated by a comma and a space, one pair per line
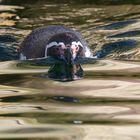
102, 106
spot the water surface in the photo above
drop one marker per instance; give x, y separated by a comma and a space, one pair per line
104, 105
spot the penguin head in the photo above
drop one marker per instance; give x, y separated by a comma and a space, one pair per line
65, 46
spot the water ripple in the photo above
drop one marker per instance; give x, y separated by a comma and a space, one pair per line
103, 105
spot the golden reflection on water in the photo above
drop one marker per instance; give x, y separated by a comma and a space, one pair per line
104, 105
96, 108
5, 17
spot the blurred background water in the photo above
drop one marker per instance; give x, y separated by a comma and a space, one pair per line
105, 105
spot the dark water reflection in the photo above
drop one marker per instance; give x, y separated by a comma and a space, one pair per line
104, 105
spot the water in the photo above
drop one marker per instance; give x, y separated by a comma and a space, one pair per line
104, 105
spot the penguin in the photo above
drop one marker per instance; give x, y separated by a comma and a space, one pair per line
60, 43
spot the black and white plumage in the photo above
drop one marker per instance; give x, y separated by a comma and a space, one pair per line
35, 43
60, 43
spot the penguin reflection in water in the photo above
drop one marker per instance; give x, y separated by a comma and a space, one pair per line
63, 44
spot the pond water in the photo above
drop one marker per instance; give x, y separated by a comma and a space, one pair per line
104, 105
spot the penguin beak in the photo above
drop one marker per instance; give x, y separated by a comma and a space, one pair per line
69, 56
69, 63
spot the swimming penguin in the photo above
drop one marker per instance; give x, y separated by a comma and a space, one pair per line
60, 43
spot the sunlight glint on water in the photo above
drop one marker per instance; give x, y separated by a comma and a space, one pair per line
103, 105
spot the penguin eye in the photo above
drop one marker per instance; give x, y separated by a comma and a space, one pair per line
80, 47
80, 51
77, 48
57, 48
62, 47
